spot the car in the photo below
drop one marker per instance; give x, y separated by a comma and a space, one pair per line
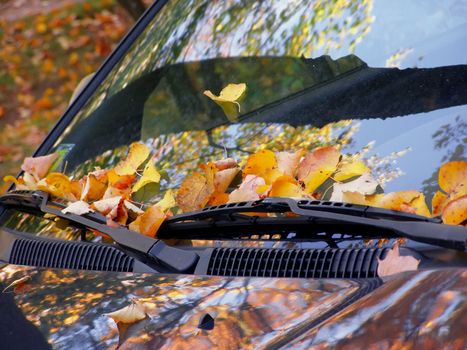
251, 174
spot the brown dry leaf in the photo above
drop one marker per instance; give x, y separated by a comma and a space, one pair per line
365, 185
150, 175
195, 191
286, 186
38, 166
17, 285
137, 154
317, 166
132, 313
455, 212
287, 162
263, 164
395, 263
149, 222
78, 208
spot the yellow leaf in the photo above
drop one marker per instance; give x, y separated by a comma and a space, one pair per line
167, 202
10, 178
455, 212
136, 156
132, 313
395, 263
453, 179
58, 185
438, 203
286, 186
349, 169
263, 164
407, 201
228, 99
317, 166
93, 189
150, 175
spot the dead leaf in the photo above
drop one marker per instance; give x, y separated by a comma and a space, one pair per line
263, 164
137, 154
349, 168
286, 186
287, 162
228, 99
38, 166
248, 189
58, 185
167, 202
132, 313
407, 201
17, 285
317, 166
93, 189
149, 222
365, 184
225, 163
78, 208
438, 203
455, 212
150, 175
394, 263
223, 178
194, 192
453, 179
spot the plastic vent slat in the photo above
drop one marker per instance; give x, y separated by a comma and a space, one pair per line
70, 255
302, 263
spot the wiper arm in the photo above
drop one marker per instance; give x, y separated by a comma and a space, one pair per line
312, 215
171, 258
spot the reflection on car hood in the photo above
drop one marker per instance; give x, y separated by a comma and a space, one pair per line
66, 309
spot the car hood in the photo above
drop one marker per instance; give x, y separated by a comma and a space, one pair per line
67, 309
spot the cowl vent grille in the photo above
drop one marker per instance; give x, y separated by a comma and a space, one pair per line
70, 255
300, 263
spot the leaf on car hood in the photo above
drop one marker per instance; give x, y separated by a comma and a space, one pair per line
18, 286
395, 263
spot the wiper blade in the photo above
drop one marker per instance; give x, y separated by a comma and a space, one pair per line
156, 250
313, 216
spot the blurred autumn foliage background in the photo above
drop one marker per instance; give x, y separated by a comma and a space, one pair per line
46, 48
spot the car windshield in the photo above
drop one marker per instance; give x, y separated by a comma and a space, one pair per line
382, 81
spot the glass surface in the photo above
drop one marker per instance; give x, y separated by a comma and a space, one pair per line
387, 80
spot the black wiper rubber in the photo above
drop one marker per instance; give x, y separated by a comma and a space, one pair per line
318, 213
174, 259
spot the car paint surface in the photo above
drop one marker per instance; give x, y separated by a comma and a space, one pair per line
67, 309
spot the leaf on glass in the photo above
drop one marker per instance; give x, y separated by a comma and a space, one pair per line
150, 175
365, 184
78, 208
455, 212
286, 186
149, 222
263, 164
350, 168
248, 189
287, 162
137, 154
228, 99
38, 166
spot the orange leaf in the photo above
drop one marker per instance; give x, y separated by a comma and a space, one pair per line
218, 198
438, 203
317, 166
58, 185
395, 263
455, 212
286, 186
149, 222
93, 189
38, 166
406, 201
137, 154
264, 165
18, 285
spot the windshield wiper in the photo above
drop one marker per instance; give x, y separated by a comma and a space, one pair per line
176, 260
310, 218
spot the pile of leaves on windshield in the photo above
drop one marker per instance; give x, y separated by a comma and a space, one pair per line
323, 173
